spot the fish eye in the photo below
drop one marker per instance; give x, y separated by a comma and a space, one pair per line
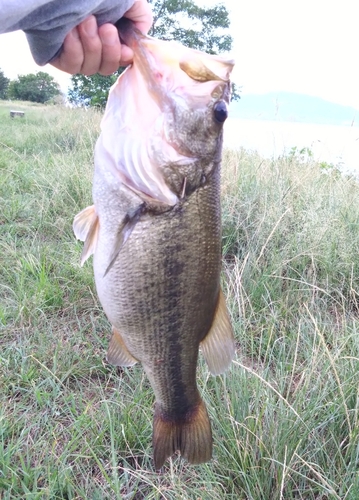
220, 111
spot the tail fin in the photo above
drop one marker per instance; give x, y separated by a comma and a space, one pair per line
191, 435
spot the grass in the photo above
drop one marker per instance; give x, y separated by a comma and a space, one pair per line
285, 417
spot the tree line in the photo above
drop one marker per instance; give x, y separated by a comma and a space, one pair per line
197, 27
35, 87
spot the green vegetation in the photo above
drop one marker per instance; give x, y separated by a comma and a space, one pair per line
34, 87
207, 26
4, 84
285, 417
91, 91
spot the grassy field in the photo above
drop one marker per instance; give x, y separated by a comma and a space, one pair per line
285, 417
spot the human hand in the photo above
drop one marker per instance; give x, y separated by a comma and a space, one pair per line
90, 49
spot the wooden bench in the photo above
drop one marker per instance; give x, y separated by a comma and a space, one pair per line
17, 113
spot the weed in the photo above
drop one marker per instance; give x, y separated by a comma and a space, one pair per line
285, 417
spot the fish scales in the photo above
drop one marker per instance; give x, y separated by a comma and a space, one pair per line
155, 232
166, 285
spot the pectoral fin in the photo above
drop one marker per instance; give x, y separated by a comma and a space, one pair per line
218, 346
86, 226
124, 231
118, 354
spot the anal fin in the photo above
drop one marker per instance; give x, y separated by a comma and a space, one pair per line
218, 346
192, 436
117, 353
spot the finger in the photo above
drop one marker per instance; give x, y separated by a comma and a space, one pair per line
111, 49
72, 55
141, 14
91, 44
126, 55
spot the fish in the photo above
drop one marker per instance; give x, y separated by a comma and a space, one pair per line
154, 231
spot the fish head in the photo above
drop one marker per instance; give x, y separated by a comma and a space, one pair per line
167, 110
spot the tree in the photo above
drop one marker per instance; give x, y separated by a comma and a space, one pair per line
4, 84
181, 20
35, 87
91, 90
196, 27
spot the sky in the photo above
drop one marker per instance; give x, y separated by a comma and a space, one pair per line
308, 47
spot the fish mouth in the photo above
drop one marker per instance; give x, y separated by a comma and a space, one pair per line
173, 69
189, 87
164, 117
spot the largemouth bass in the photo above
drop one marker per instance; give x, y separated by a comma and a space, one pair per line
155, 231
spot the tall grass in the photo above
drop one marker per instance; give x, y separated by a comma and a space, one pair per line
285, 417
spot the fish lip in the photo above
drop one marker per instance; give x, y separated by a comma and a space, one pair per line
135, 39
183, 130
127, 31
197, 65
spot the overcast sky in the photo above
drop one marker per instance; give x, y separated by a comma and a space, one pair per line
307, 46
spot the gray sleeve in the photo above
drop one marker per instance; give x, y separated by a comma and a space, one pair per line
46, 23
